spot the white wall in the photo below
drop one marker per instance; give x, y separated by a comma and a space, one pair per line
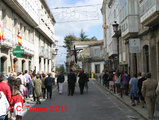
95, 63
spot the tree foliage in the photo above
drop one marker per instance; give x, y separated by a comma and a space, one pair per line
61, 68
83, 36
68, 40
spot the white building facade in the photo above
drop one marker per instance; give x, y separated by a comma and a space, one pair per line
33, 21
139, 25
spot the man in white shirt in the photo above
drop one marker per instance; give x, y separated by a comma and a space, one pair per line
23, 79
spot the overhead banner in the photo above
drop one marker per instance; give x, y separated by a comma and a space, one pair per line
134, 45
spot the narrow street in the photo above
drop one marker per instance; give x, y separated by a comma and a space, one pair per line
97, 104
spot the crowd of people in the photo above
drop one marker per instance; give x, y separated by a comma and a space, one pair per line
141, 88
15, 88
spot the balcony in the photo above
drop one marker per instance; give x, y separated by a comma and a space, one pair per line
129, 18
28, 47
149, 12
46, 55
50, 55
8, 41
129, 27
42, 52
113, 48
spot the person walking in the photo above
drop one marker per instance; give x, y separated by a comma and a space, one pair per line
157, 99
4, 105
23, 79
134, 89
117, 82
105, 79
4, 87
60, 81
43, 85
48, 84
140, 82
110, 78
71, 83
37, 88
149, 93
28, 82
33, 86
121, 84
86, 82
82, 79
16, 103
126, 78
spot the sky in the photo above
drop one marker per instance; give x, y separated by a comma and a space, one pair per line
77, 17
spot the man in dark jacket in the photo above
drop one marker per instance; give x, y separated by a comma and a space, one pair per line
140, 82
48, 84
60, 81
71, 83
82, 79
105, 79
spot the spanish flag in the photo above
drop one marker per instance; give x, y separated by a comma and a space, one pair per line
105, 25
1, 34
19, 40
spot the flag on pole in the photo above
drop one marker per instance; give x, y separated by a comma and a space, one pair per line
1, 33
105, 25
19, 40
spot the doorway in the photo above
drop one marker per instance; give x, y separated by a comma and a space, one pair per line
146, 58
3, 64
23, 62
15, 64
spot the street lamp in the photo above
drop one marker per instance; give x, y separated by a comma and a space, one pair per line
117, 35
115, 26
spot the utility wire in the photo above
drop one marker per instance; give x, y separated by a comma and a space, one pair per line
76, 6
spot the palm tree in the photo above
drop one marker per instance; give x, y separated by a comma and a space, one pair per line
83, 36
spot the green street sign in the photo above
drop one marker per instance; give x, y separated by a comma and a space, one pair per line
18, 51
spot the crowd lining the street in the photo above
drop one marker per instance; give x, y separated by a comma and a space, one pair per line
141, 88
15, 88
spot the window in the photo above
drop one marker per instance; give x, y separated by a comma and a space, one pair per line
97, 68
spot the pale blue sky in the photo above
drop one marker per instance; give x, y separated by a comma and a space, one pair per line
91, 28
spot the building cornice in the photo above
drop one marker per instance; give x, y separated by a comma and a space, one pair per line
48, 10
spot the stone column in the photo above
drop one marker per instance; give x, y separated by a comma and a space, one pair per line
42, 65
18, 65
46, 65
49, 66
